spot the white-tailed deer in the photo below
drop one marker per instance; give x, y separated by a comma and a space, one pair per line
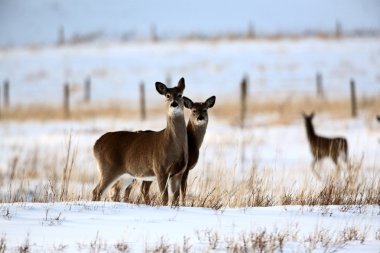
324, 147
196, 130
147, 155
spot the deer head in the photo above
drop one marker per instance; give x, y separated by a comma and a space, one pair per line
199, 115
308, 117
173, 96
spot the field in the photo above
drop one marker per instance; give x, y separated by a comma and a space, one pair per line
252, 190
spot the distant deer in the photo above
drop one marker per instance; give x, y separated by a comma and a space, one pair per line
324, 147
147, 155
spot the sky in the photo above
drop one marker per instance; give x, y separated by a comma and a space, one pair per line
25, 22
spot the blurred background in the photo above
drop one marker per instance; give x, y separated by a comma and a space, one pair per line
281, 47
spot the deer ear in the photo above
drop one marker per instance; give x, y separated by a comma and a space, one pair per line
161, 88
181, 84
187, 102
210, 101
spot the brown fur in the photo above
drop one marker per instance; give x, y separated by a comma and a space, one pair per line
161, 154
324, 147
195, 135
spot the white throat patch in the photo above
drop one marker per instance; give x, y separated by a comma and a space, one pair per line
200, 122
175, 111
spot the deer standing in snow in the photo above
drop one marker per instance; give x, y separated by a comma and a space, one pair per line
147, 155
196, 130
324, 147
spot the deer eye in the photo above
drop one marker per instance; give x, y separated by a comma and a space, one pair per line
167, 95
179, 95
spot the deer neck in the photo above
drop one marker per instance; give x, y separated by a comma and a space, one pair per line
176, 128
310, 131
196, 133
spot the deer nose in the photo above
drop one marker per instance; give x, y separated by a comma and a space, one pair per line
200, 118
174, 104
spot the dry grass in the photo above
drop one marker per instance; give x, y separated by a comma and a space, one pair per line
259, 240
286, 110
63, 179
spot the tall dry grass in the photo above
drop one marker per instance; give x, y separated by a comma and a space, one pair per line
287, 109
65, 179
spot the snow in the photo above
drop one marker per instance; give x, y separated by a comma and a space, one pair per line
72, 223
281, 69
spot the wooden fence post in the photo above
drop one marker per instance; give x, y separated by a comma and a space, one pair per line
87, 90
142, 101
168, 80
338, 30
243, 100
320, 92
251, 30
66, 100
353, 99
0, 104
6, 94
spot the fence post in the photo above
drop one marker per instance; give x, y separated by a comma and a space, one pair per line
353, 99
87, 90
153, 33
168, 80
320, 92
0, 103
243, 100
66, 100
338, 29
6, 94
251, 30
142, 101
61, 36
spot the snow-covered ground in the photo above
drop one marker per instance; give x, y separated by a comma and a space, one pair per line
276, 69
100, 227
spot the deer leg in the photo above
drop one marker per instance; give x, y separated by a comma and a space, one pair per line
104, 182
116, 188
184, 186
145, 186
128, 189
337, 166
175, 186
313, 163
163, 186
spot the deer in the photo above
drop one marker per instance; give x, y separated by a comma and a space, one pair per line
196, 130
147, 155
322, 147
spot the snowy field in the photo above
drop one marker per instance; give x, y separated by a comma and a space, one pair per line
34, 153
276, 69
114, 227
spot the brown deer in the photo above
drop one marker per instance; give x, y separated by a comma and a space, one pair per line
324, 147
196, 130
147, 155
